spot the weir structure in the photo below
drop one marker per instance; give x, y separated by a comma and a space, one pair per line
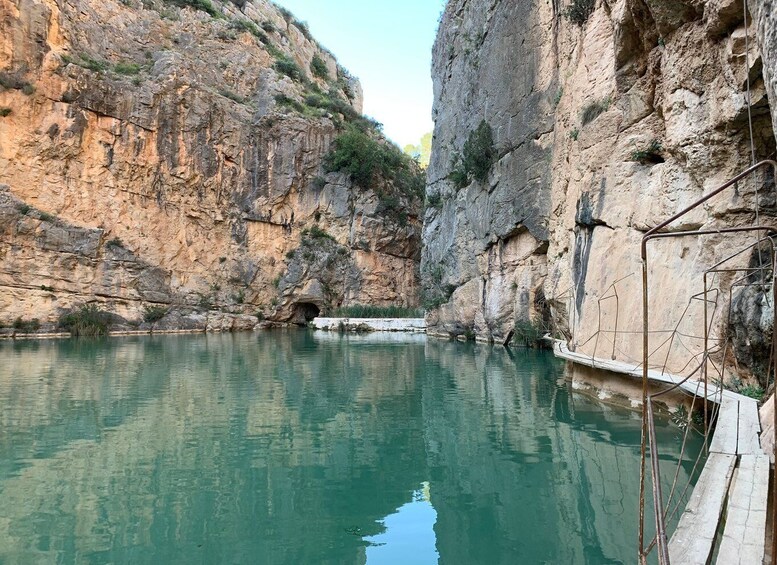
724, 519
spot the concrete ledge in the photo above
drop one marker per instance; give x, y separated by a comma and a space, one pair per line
415, 325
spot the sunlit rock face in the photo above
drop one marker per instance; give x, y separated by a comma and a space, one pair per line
602, 129
140, 137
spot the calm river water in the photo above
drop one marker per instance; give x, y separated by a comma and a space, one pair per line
293, 447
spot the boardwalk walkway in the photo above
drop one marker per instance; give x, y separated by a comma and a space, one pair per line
733, 487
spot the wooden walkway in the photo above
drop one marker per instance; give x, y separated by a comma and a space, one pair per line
733, 487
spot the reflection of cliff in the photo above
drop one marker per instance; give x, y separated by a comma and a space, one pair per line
280, 448
242, 457
557, 475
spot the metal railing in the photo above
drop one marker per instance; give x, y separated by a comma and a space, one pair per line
648, 424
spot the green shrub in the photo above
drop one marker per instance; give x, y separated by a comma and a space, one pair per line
557, 98
91, 63
26, 326
5, 111
574, 134
332, 103
594, 110
10, 81
366, 159
753, 391
127, 69
528, 333
152, 314
318, 68
285, 13
477, 158
285, 65
24, 209
315, 232
45, 217
114, 243
580, 10
45, 288
303, 27
369, 311
239, 297
291, 254
205, 302
433, 201
288, 102
226, 93
649, 154
202, 5
250, 27
86, 321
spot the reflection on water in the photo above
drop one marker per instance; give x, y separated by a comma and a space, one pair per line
409, 536
293, 447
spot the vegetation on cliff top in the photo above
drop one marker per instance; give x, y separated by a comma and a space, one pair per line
366, 160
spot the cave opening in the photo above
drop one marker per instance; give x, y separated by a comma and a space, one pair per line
305, 312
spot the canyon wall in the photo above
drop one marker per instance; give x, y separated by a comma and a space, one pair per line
169, 158
605, 122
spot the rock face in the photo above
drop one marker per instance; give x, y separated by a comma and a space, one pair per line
160, 155
606, 122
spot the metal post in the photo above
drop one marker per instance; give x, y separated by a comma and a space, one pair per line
644, 400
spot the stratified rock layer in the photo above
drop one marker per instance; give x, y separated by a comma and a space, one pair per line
155, 142
603, 129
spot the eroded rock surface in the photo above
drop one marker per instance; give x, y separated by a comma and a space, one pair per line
603, 130
178, 136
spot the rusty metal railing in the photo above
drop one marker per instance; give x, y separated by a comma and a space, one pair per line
648, 426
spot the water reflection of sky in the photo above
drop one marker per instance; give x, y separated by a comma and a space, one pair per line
409, 536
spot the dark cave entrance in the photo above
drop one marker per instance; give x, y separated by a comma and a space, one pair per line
304, 312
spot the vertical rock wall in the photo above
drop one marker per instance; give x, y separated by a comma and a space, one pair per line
604, 128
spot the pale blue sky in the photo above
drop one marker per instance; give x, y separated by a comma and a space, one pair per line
388, 45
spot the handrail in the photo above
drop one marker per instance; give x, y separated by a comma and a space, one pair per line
648, 429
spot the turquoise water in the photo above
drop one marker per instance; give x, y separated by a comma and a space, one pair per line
290, 447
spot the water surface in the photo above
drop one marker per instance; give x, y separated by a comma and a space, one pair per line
292, 447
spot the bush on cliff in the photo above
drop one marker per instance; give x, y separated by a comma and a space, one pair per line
86, 321
367, 160
580, 10
285, 65
202, 5
318, 67
477, 158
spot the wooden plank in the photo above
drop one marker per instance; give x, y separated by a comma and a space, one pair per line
693, 541
745, 533
749, 429
726, 428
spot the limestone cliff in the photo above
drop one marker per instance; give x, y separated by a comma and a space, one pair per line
162, 156
607, 118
